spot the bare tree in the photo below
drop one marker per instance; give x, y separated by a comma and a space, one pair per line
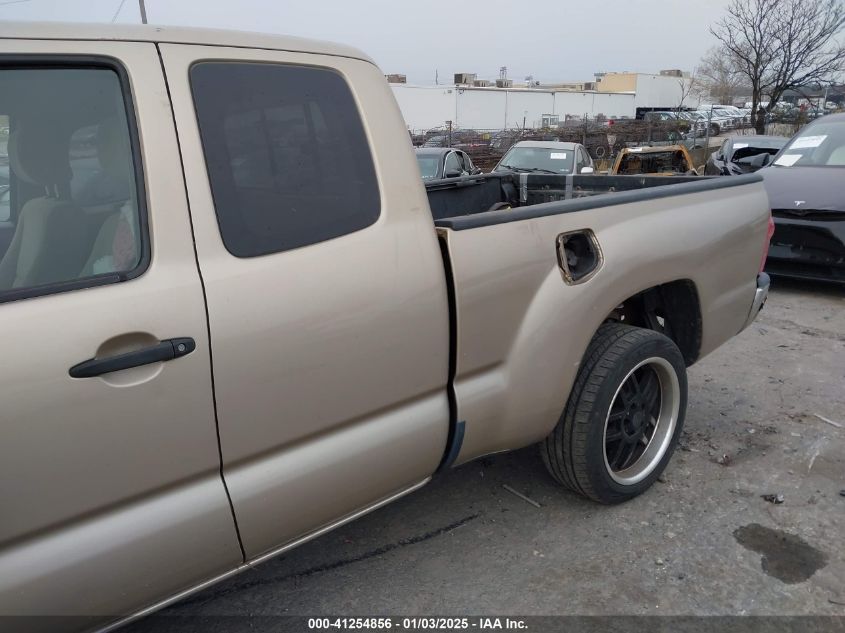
691, 87
720, 76
780, 45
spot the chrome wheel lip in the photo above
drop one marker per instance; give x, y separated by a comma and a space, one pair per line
667, 421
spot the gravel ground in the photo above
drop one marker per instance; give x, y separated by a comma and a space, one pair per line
702, 541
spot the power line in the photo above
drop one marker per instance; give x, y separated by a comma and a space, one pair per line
3, 4
116, 13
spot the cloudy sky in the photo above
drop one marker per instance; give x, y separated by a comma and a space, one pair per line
563, 40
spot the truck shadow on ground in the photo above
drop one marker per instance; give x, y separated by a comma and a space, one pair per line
808, 287
472, 493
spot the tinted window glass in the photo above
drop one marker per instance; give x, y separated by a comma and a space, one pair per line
585, 158
287, 157
428, 165
68, 200
466, 162
452, 164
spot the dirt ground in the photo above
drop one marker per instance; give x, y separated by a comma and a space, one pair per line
766, 416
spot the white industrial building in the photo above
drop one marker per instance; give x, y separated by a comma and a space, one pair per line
618, 95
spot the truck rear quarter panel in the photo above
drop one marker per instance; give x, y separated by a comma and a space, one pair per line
522, 331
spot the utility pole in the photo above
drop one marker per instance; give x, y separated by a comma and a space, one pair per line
584, 131
143, 11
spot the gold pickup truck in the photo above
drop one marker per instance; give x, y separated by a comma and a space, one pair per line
233, 317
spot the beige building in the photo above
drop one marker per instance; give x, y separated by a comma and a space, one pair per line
664, 90
618, 82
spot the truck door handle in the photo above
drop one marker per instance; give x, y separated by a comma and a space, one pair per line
168, 349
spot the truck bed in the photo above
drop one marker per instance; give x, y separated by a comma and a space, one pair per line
460, 198
511, 297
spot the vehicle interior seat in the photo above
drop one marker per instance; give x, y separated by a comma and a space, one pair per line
45, 247
109, 204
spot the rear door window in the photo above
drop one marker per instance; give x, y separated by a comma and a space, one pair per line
585, 157
288, 160
579, 160
466, 162
452, 164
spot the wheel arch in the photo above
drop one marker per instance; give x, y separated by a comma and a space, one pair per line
533, 386
671, 308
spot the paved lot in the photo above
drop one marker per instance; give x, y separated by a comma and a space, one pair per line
702, 541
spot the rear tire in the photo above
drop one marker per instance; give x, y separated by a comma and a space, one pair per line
623, 418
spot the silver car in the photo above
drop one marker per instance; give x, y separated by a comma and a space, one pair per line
547, 157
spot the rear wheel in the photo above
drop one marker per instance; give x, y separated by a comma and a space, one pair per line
623, 418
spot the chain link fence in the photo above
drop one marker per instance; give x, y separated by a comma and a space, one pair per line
603, 138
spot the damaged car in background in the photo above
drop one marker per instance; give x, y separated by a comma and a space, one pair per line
743, 155
444, 162
661, 160
806, 187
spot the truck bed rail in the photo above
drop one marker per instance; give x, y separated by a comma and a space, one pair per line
475, 201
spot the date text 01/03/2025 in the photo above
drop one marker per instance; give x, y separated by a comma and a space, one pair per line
416, 623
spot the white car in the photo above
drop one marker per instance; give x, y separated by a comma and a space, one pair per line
733, 121
736, 113
546, 157
697, 123
717, 120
